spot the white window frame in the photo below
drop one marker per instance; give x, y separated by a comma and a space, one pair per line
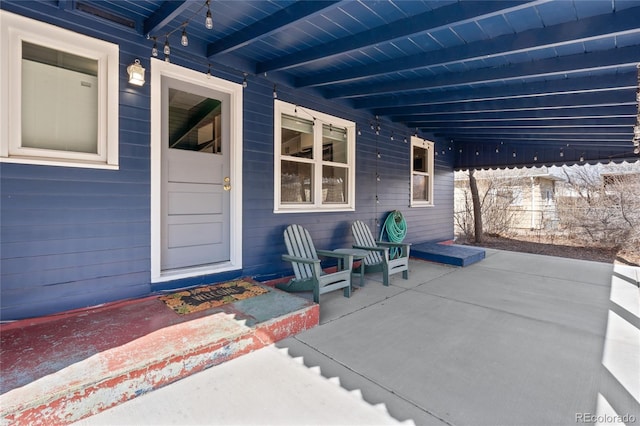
15, 29
429, 146
320, 119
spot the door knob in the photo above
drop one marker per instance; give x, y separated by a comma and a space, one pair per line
227, 184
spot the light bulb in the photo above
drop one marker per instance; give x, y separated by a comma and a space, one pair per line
154, 49
167, 49
208, 22
184, 40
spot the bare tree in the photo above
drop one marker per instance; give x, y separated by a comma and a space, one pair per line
477, 207
601, 208
490, 206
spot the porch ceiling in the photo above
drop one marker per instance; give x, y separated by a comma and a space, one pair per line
495, 83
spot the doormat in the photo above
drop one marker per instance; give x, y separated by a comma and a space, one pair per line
211, 296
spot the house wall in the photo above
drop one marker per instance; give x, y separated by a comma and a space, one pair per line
535, 213
529, 211
76, 237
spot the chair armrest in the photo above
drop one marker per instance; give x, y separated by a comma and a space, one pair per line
329, 253
347, 258
289, 258
390, 244
380, 249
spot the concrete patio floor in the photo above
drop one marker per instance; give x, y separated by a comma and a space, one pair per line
516, 339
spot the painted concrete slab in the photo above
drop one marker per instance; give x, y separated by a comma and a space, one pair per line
450, 254
265, 387
120, 351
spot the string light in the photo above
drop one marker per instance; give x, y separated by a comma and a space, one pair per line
209, 71
184, 40
154, 49
167, 49
275, 94
244, 81
208, 22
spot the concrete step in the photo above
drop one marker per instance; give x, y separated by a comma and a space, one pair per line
60, 369
267, 386
449, 254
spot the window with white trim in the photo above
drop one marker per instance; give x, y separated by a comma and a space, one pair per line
421, 172
58, 96
314, 161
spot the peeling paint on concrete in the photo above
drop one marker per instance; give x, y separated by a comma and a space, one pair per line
156, 359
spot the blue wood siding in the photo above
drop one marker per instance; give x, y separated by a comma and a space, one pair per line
75, 237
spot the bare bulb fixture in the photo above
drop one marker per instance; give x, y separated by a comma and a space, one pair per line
208, 22
184, 40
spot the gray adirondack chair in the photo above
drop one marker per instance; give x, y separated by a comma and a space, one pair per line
305, 260
379, 258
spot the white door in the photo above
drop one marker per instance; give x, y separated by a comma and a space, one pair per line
196, 181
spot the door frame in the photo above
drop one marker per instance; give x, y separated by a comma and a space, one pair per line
160, 69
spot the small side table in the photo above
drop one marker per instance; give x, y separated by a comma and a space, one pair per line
357, 254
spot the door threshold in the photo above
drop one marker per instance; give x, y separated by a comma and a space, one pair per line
179, 273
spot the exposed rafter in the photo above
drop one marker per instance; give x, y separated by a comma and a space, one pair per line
592, 29
428, 21
610, 60
277, 22
168, 11
619, 81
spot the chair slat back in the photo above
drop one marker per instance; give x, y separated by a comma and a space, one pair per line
299, 244
363, 237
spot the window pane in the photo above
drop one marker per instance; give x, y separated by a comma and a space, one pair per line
334, 144
420, 159
59, 100
194, 122
334, 185
295, 182
420, 187
297, 137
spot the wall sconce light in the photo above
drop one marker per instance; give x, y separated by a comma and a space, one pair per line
136, 73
